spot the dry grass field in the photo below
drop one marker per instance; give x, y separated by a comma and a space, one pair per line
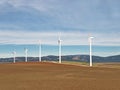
51, 76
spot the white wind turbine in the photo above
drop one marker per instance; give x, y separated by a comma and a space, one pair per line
40, 56
26, 53
90, 43
14, 56
59, 42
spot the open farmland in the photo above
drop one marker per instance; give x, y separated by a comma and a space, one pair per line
51, 76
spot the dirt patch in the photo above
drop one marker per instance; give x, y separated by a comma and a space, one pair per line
52, 76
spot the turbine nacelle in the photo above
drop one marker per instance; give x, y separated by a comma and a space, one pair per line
59, 41
89, 39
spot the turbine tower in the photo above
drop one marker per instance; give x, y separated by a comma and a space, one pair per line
26, 52
14, 56
90, 43
59, 42
40, 56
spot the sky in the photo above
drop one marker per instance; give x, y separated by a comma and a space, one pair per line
28, 21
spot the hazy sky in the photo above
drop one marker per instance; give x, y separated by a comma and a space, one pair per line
27, 21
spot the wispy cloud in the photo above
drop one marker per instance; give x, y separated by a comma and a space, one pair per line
69, 38
83, 14
31, 37
25, 20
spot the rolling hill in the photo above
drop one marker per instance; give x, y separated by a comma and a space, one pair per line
77, 58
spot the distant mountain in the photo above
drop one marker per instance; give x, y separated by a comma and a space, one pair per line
77, 58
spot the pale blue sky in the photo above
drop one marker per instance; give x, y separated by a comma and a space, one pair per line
27, 21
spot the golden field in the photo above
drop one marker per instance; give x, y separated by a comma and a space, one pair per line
53, 76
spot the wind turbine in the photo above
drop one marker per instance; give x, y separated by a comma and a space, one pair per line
14, 56
90, 43
59, 42
40, 51
26, 52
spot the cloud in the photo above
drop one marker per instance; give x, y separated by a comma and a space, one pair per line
20, 37
43, 19
85, 14
69, 38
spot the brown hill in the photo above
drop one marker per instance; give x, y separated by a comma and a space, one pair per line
51, 76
